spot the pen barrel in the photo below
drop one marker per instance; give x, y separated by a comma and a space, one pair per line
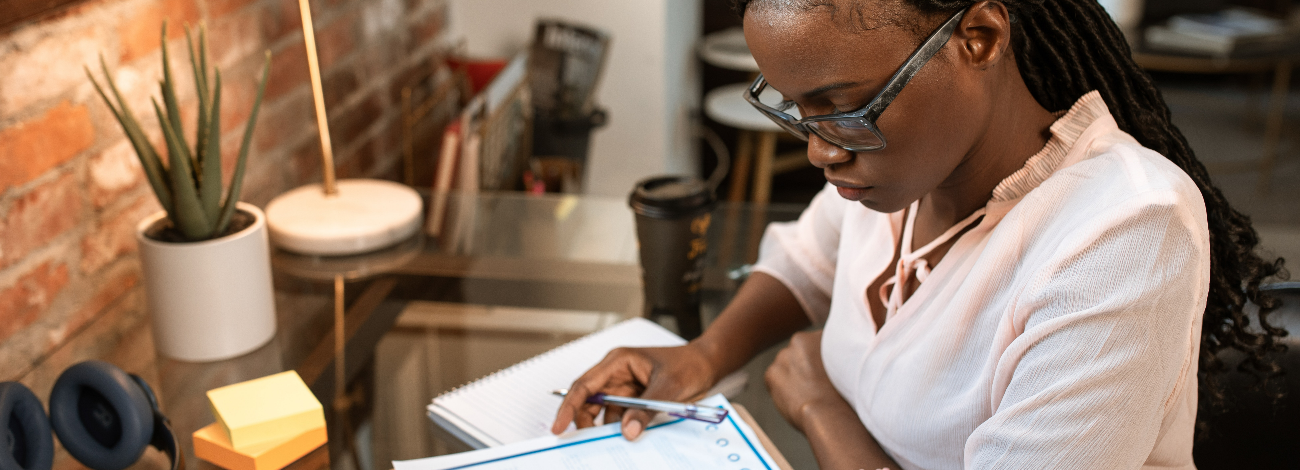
652, 405
684, 410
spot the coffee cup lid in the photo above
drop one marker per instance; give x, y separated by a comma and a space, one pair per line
671, 196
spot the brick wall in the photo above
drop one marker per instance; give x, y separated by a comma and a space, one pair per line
71, 188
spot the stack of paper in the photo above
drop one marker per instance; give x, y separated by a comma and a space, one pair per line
262, 424
516, 404
677, 444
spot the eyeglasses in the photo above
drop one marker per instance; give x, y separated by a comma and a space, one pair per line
855, 131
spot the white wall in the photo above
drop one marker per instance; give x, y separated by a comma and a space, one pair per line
650, 83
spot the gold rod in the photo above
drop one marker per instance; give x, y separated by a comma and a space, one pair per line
340, 372
318, 94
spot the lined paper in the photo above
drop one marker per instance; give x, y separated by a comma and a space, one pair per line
516, 404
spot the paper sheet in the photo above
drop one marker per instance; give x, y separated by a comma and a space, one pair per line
676, 444
516, 404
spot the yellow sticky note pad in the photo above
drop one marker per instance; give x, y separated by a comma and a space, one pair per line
211, 444
270, 409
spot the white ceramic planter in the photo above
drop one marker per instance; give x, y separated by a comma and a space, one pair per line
209, 300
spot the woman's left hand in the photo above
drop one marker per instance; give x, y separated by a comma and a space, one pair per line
798, 382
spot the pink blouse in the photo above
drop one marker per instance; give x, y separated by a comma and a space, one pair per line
1062, 331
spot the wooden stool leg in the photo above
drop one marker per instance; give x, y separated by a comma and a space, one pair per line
763, 167
1273, 126
740, 167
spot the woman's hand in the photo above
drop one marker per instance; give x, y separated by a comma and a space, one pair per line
797, 380
805, 396
673, 374
762, 313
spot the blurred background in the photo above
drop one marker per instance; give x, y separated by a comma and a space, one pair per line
532, 96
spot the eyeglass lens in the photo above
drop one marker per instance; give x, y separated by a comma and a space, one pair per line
851, 133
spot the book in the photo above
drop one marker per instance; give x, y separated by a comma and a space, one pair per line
1231, 31
451, 138
515, 404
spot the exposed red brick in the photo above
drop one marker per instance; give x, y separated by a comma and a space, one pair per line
139, 32
39, 72
32, 148
115, 235
24, 302
360, 164
281, 19
39, 216
234, 38
230, 155
306, 163
348, 124
110, 290
113, 172
283, 123
338, 86
121, 335
71, 11
388, 142
427, 29
288, 70
239, 90
180, 13
217, 8
257, 164
416, 76
335, 40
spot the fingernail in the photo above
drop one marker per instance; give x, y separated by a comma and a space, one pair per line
631, 430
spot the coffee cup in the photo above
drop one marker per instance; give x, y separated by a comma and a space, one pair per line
672, 221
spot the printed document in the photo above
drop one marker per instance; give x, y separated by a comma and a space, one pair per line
677, 444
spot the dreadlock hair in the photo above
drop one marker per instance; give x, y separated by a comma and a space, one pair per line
1067, 48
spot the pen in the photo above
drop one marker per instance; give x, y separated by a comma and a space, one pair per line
680, 410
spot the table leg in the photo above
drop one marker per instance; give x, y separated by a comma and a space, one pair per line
1273, 126
763, 167
740, 167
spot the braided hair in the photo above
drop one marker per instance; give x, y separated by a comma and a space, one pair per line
1067, 48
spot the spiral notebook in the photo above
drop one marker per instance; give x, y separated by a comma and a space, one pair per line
516, 404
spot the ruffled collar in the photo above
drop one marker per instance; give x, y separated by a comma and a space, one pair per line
1066, 132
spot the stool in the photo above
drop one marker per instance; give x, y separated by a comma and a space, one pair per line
727, 49
727, 105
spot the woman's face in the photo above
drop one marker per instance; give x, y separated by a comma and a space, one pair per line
826, 65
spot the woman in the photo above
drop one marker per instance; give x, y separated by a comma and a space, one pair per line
1019, 262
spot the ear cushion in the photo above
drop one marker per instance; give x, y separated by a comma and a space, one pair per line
25, 441
101, 415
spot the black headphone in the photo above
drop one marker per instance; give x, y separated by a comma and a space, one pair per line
103, 416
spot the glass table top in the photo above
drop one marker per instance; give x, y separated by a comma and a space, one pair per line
493, 279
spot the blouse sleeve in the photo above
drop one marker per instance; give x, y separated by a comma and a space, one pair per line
801, 254
1104, 341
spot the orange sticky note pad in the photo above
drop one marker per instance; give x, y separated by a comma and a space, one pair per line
212, 445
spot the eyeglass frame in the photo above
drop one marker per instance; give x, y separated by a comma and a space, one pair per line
868, 114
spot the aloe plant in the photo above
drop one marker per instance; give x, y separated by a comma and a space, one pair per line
188, 185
